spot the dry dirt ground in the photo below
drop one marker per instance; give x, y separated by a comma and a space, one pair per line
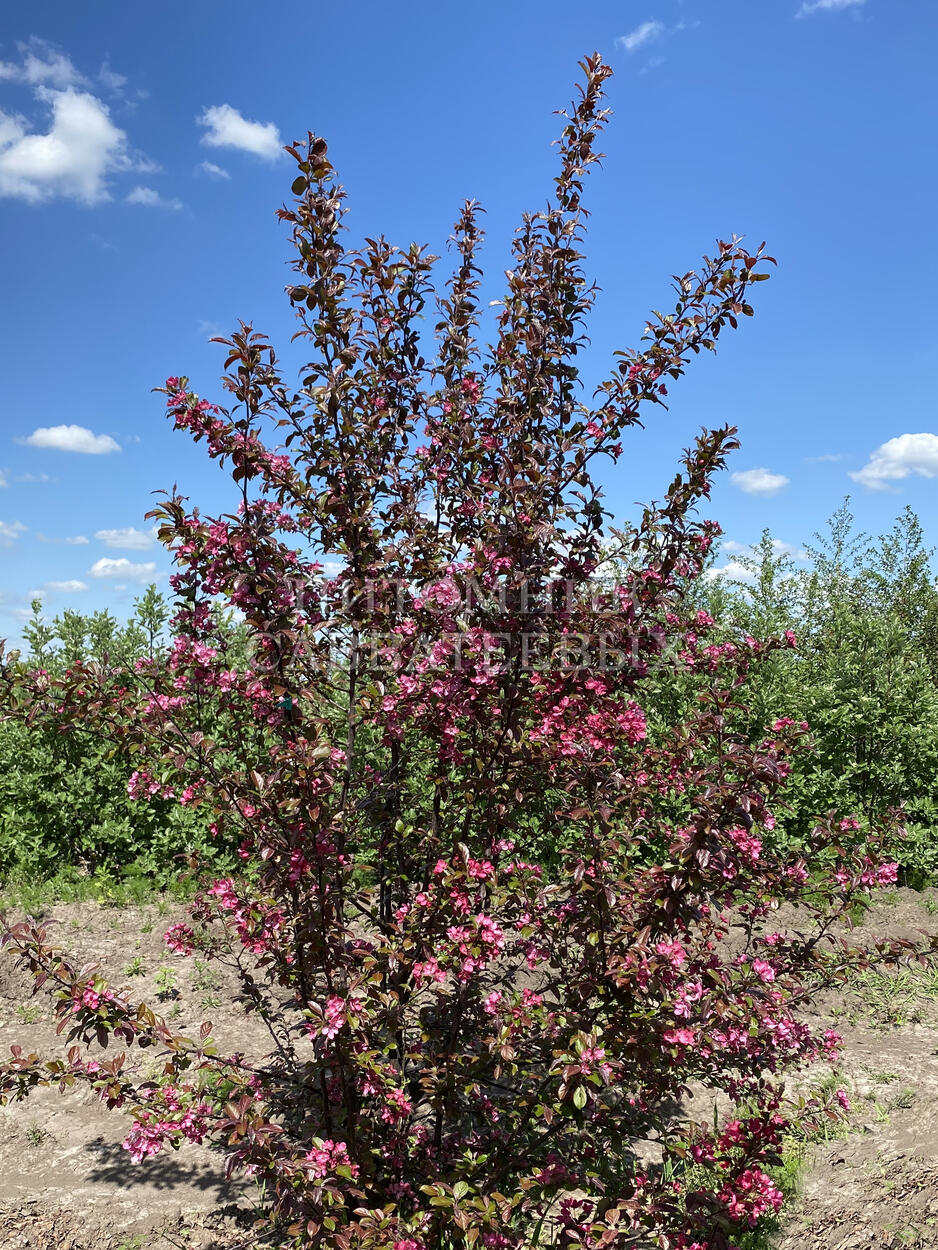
65, 1181
66, 1184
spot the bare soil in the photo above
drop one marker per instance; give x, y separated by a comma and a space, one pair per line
66, 1183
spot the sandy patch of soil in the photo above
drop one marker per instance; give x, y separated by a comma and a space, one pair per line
65, 1181
878, 1185
66, 1184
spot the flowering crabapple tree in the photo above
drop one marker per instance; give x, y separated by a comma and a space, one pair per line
497, 933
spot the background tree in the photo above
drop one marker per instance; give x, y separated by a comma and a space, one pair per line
64, 805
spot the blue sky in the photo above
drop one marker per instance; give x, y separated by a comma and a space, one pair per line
139, 178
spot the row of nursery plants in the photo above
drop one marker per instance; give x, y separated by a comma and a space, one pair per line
863, 675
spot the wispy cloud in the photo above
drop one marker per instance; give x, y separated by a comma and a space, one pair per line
152, 199
71, 438
652, 34
644, 34
10, 532
11, 605
76, 540
827, 6
779, 548
70, 586
41, 66
904, 456
111, 80
214, 171
225, 127
759, 481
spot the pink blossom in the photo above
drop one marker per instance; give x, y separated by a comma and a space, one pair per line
324, 1157
763, 970
673, 951
680, 1037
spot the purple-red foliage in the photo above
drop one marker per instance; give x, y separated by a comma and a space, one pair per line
498, 932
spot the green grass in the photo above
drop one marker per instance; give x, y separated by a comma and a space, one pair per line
891, 999
882, 1076
788, 1176
69, 885
904, 1099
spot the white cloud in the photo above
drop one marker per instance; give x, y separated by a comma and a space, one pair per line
71, 438
226, 128
759, 481
152, 199
899, 458
80, 146
128, 539
42, 66
78, 540
111, 80
788, 549
213, 170
646, 33
72, 159
10, 532
827, 6
106, 568
3, 479
9, 605
828, 458
779, 548
733, 570
33, 477
71, 586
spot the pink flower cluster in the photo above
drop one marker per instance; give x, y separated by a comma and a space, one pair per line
326, 1156
150, 1131
751, 1195
180, 939
142, 785
574, 725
